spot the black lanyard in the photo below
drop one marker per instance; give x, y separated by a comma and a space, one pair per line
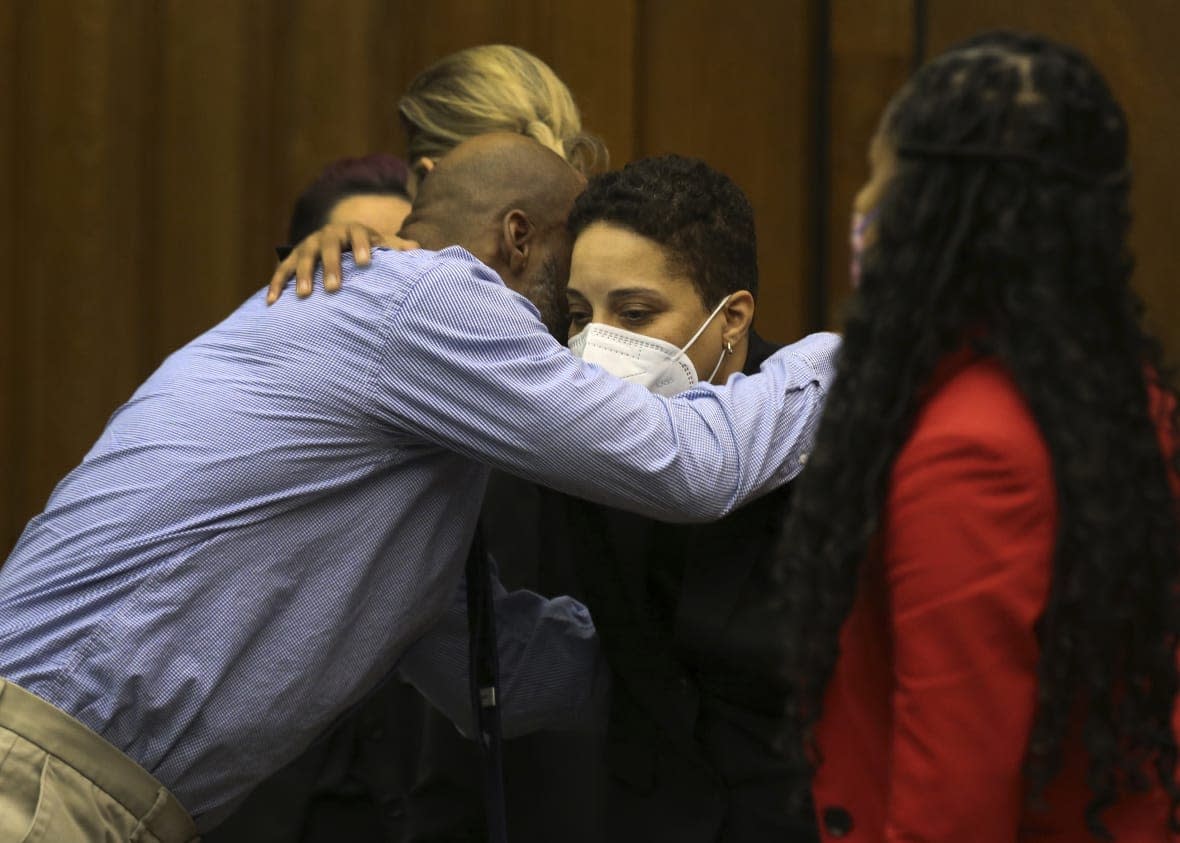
484, 675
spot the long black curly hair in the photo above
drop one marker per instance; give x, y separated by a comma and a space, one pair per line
1004, 226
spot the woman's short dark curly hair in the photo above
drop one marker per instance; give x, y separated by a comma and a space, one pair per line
1004, 226
702, 220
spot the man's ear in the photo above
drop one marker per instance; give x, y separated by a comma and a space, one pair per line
516, 239
419, 170
737, 315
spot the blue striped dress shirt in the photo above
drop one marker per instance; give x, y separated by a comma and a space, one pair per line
284, 507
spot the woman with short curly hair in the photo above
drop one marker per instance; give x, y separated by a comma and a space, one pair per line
980, 569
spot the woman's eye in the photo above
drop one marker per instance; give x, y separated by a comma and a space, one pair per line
579, 317
634, 316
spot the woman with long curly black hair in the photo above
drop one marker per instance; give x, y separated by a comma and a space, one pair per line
981, 566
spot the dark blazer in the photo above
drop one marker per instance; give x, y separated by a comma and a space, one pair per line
696, 704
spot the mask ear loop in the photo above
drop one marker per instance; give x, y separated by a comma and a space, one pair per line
704, 325
701, 330
727, 349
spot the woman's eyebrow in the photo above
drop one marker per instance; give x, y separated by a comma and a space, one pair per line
625, 292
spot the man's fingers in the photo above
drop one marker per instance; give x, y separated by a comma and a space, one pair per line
304, 270
324, 248
279, 280
400, 244
331, 260
362, 248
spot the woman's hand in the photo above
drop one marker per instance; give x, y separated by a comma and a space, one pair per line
324, 247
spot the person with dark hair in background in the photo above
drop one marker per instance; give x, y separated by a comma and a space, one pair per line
370, 190
979, 572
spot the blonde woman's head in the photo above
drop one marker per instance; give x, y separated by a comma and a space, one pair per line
494, 88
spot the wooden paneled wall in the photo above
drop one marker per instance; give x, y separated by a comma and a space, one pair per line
872, 52
150, 149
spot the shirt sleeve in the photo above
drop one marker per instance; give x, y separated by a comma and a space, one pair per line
968, 550
552, 674
467, 365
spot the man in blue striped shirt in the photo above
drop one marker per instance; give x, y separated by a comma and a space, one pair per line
284, 507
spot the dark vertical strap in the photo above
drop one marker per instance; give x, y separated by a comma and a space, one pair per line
484, 674
919, 35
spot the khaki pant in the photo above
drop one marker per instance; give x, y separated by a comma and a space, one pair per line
62, 783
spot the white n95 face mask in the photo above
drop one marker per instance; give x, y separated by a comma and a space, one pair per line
660, 366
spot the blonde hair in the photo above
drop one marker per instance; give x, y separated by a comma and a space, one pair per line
495, 88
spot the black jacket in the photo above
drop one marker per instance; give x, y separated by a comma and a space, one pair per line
698, 701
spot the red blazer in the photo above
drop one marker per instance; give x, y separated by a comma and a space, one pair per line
930, 707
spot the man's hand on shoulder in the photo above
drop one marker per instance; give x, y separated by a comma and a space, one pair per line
324, 247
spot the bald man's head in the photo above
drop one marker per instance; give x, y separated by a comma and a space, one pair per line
504, 198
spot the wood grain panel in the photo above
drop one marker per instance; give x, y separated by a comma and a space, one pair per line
734, 91
12, 471
202, 167
329, 100
1134, 44
593, 49
318, 87
78, 116
590, 44
265, 199
871, 56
